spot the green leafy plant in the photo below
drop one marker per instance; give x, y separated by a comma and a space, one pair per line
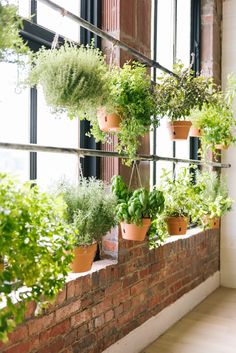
130, 97
10, 41
73, 79
135, 205
217, 119
90, 209
213, 198
177, 96
34, 244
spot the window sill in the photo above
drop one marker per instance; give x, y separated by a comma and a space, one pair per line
189, 234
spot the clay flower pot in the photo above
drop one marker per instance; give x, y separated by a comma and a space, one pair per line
84, 256
221, 146
211, 223
179, 129
177, 225
195, 132
134, 232
108, 122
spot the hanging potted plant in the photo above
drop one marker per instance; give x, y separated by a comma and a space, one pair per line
91, 213
35, 244
217, 121
214, 201
11, 43
136, 210
180, 200
177, 96
132, 104
73, 79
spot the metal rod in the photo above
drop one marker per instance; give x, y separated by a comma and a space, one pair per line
96, 153
105, 35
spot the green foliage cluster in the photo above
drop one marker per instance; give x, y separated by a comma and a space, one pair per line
34, 244
179, 192
217, 119
73, 79
131, 97
213, 198
90, 209
177, 96
10, 41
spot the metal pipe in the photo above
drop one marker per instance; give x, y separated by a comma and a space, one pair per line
105, 35
96, 153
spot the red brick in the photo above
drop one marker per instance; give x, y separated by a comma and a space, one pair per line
109, 315
54, 331
101, 307
54, 347
67, 310
61, 297
138, 288
19, 334
99, 321
23, 347
119, 310
113, 288
81, 317
40, 324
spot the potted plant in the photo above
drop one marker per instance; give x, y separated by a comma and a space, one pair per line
131, 99
35, 243
91, 214
180, 200
177, 96
73, 79
136, 210
214, 201
10, 40
217, 121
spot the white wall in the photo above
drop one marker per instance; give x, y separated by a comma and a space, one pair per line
228, 230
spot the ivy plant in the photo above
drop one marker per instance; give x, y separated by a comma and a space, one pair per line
135, 205
35, 243
130, 97
90, 209
74, 79
177, 96
11, 42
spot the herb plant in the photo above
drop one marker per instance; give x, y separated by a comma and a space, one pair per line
214, 200
90, 210
10, 41
34, 244
177, 96
131, 97
73, 79
133, 206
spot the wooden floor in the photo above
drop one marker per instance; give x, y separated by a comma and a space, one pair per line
209, 328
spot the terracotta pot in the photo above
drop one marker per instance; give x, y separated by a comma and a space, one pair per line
195, 132
108, 122
211, 223
134, 232
84, 256
179, 130
221, 146
177, 225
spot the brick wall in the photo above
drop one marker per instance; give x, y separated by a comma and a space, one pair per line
97, 309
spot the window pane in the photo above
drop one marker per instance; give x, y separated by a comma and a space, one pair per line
183, 31
53, 20
15, 162
54, 166
55, 131
14, 106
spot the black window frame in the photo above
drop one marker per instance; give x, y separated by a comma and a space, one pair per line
37, 36
195, 42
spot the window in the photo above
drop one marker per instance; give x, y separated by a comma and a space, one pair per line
24, 115
175, 35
